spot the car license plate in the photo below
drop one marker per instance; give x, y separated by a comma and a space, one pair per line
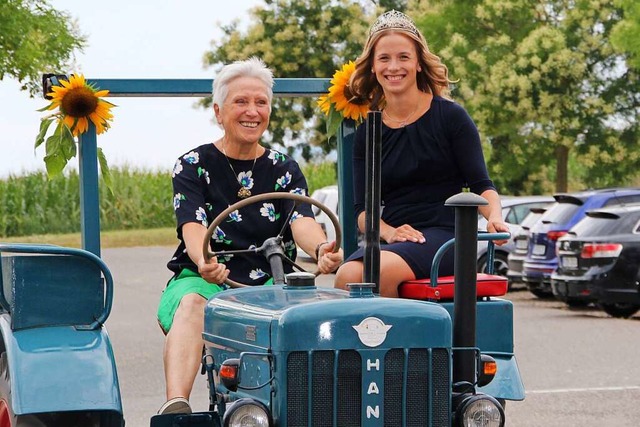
521, 244
539, 249
569, 262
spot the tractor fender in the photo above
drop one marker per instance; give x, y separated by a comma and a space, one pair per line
58, 368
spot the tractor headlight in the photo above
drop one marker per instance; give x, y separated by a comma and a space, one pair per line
247, 413
480, 410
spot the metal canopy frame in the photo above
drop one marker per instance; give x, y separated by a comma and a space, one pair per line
144, 88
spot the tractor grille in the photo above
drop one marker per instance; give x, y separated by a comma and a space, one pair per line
416, 388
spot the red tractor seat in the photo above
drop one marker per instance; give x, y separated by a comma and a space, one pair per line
488, 285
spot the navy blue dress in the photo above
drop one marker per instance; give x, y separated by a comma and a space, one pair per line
204, 184
423, 164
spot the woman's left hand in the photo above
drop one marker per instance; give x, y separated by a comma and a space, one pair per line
498, 226
329, 261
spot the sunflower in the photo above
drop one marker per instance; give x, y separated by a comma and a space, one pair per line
339, 103
79, 102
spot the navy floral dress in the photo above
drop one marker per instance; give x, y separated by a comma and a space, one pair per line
205, 183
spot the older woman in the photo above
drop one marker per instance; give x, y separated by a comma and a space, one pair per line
206, 181
430, 151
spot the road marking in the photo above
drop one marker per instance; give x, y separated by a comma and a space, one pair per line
582, 390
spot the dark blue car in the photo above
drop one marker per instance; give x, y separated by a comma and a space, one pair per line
599, 261
541, 260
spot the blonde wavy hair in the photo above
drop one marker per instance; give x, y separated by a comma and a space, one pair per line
364, 87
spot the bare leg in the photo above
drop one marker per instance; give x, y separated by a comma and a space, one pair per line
183, 346
393, 271
350, 272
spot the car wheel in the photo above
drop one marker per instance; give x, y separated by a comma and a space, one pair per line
621, 309
500, 264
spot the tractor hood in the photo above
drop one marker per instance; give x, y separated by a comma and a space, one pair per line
285, 318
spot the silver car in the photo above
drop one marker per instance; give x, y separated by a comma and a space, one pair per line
514, 211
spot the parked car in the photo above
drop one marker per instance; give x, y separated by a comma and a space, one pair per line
516, 257
599, 261
514, 211
541, 259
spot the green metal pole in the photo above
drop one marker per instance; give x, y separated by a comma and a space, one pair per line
346, 135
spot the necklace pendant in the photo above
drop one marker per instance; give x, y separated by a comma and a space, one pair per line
244, 192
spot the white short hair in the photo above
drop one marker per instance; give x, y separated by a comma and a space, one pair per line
252, 67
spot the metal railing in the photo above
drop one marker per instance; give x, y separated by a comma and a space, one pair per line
285, 87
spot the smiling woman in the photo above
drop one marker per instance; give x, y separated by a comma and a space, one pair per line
430, 151
206, 181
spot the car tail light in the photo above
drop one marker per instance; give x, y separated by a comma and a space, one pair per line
601, 250
555, 235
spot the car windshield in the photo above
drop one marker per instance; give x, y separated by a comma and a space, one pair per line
559, 213
604, 225
530, 219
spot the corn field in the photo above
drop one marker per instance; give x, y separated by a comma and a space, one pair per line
33, 204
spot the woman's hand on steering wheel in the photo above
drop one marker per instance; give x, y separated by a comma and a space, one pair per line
212, 271
328, 260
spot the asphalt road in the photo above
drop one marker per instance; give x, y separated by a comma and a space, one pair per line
579, 367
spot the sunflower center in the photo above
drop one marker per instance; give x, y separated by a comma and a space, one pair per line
79, 102
352, 98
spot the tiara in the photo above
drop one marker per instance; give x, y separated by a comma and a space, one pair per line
393, 20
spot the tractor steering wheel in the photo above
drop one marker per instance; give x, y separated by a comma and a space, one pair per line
272, 248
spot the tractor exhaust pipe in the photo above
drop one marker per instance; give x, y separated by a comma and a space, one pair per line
465, 300
372, 197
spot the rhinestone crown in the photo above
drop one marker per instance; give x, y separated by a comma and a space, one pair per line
393, 20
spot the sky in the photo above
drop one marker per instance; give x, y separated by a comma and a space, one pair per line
130, 39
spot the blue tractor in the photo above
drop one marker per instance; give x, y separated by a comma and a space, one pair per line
293, 354
57, 366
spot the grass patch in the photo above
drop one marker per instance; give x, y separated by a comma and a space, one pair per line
108, 239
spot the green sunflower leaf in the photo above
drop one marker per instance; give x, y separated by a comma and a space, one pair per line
44, 127
106, 172
43, 109
52, 145
55, 164
333, 122
67, 143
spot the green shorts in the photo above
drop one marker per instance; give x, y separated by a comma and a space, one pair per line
187, 282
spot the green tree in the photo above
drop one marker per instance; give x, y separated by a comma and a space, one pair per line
470, 38
35, 39
297, 38
544, 83
625, 35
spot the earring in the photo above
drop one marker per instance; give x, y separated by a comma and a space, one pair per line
373, 72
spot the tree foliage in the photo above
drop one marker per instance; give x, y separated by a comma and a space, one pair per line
544, 84
35, 39
548, 90
308, 38
626, 33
